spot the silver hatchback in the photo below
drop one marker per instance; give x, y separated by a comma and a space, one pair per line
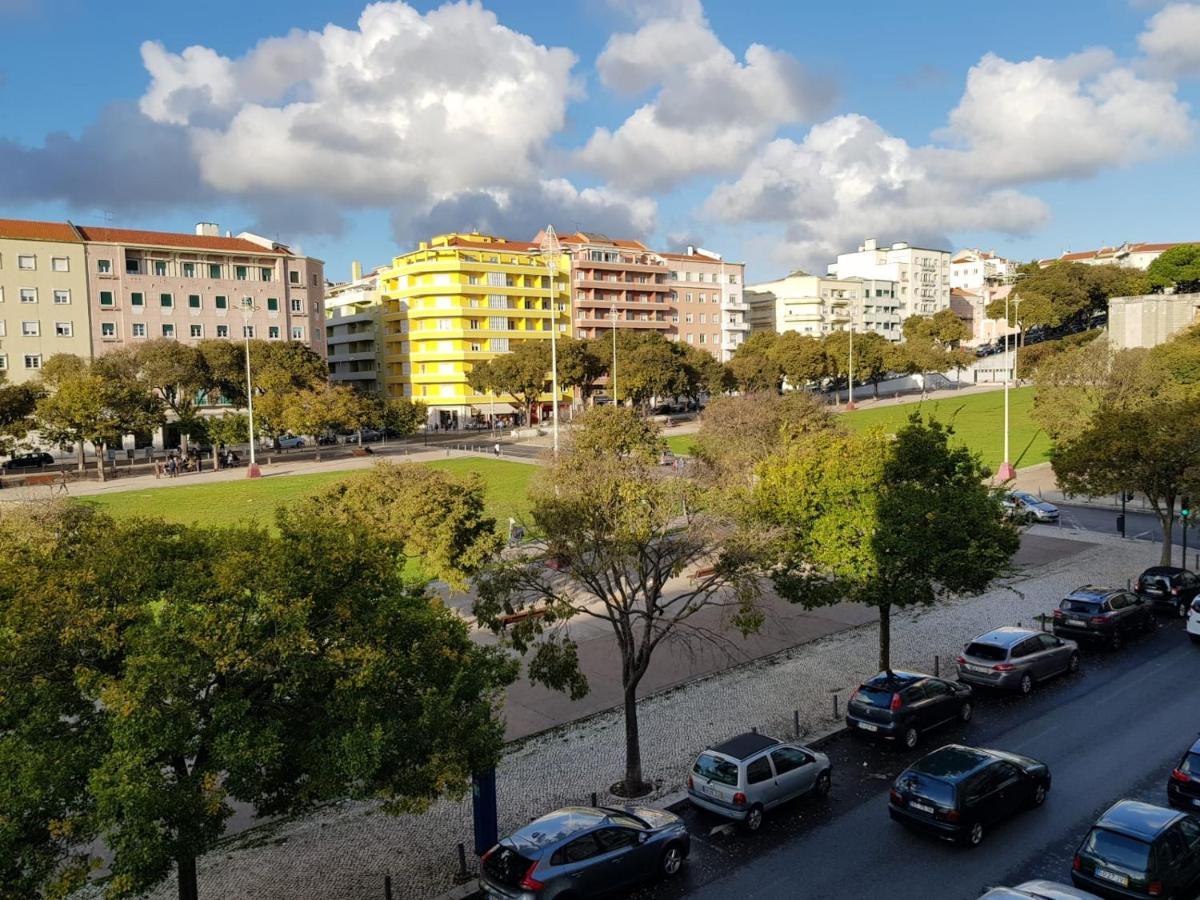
744, 776
1016, 659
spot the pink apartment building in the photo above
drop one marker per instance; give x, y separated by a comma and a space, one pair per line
709, 310
191, 287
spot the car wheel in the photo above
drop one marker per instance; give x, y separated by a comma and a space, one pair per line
1039, 795
1115, 642
965, 711
911, 737
1182, 610
754, 818
975, 834
1149, 623
1026, 686
824, 781
671, 861
1073, 664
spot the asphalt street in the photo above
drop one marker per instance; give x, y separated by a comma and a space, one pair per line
1113, 731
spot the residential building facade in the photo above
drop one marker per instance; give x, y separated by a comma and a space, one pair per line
353, 311
43, 296
191, 287
1150, 319
921, 274
972, 269
709, 309
815, 306
459, 299
1127, 255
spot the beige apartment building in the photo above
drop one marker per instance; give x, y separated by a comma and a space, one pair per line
43, 296
352, 316
709, 309
191, 287
815, 306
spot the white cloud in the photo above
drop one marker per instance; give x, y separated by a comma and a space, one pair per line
1171, 40
711, 109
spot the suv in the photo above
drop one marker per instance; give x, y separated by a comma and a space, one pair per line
901, 705
31, 461
1183, 787
1139, 850
1169, 589
751, 773
1016, 658
1102, 616
584, 851
956, 792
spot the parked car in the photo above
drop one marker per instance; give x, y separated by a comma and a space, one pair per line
1139, 850
1038, 890
1193, 622
1102, 616
583, 852
958, 792
1169, 589
899, 706
746, 775
1028, 508
1016, 659
1183, 787
29, 461
289, 442
327, 440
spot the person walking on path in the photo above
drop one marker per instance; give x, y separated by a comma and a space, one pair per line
497, 448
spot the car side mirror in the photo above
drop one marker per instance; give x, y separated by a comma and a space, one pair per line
642, 837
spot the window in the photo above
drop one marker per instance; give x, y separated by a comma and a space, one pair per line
133, 265
104, 266
273, 332
135, 299
688, 318
3, 362
221, 302
240, 272
60, 264
498, 345
247, 331
214, 270
222, 331
581, 849
294, 277
3, 328
189, 270
787, 759
758, 771
272, 304
33, 360
29, 295
193, 301
63, 329
31, 329
139, 329
166, 301
168, 330
297, 332
61, 298
26, 262
196, 330
297, 306
160, 267
108, 330
264, 274
611, 839
314, 279
704, 338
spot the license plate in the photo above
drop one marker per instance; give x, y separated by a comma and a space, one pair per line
867, 726
709, 791
923, 807
1114, 877
1079, 623
973, 668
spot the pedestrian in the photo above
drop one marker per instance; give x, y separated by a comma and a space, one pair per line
497, 448
157, 470
172, 466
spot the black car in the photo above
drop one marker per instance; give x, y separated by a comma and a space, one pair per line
957, 792
899, 706
1169, 589
1102, 616
1139, 850
31, 461
1183, 787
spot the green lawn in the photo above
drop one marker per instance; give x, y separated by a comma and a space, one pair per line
681, 444
230, 502
978, 421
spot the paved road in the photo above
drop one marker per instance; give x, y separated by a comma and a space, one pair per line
1113, 731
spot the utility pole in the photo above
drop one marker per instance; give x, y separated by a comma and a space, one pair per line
247, 312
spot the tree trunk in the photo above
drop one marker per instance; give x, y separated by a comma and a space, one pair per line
633, 746
216, 464
885, 637
101, 452
81, 456
1167, 520
875, 385
188, 889
318, 456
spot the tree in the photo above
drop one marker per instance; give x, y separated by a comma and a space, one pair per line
650, 366
619, 536
1066, 293
521, 374
699, 372
800, 357
226, 430
403, 415
1150, 450
277, 368
931, 340
872, 359
179, 374
17, 405
155, 673
1177, 269
581, 363
324, 408
891, 522
754, 365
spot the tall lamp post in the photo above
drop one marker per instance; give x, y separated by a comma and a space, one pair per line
550, 254
1007, 472
248, 309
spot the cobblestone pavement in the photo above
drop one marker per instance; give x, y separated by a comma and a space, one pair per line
344, 851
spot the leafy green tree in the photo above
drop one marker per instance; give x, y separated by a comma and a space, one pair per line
754, 365
404, 416
153, 674
228, 430
800, 357
521, 373
178, 373
650, 366
619, 537
872, 359
1151, 450
1066, 293
324, 408
277, 368
889, 522
1178, 269
581, 363
699, 372
17, 405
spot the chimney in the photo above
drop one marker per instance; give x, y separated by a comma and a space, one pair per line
355, 270
208, 229
870, 244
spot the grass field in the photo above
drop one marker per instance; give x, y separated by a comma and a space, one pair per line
681, 444
230, 502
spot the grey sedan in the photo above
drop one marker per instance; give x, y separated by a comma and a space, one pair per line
1028, 508
584, 851
1016, 659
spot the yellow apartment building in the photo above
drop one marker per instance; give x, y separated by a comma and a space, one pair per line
459, 299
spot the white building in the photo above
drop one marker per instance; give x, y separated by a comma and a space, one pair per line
970, 270
1127, 255
352, 310
921, 275
815, 306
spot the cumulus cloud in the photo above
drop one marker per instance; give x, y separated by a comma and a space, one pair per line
1171, 40
711, 109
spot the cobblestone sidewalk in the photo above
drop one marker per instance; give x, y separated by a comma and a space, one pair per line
344, 851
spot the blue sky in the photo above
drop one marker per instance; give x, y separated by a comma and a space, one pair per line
775, 132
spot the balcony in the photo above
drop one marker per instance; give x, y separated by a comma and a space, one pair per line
625, 266
735, 326
634, 286
607, 324
735, 307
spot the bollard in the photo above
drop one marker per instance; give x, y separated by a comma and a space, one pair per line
462, 861
594, 803
835, 707
796, 722
753, 729
937, 662
387, 886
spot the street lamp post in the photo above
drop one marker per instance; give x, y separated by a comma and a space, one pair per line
1007, 472
551, 253
247, 312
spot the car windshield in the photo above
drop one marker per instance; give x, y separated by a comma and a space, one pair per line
1190, 764
1085, 607
1117, 849
934, 789
716, 769
990, 652
1025, 498
871, 696
1156, 582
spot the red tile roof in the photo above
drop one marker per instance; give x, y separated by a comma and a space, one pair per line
1152, 248
497, 244
37, 231
583, 237
174, 239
